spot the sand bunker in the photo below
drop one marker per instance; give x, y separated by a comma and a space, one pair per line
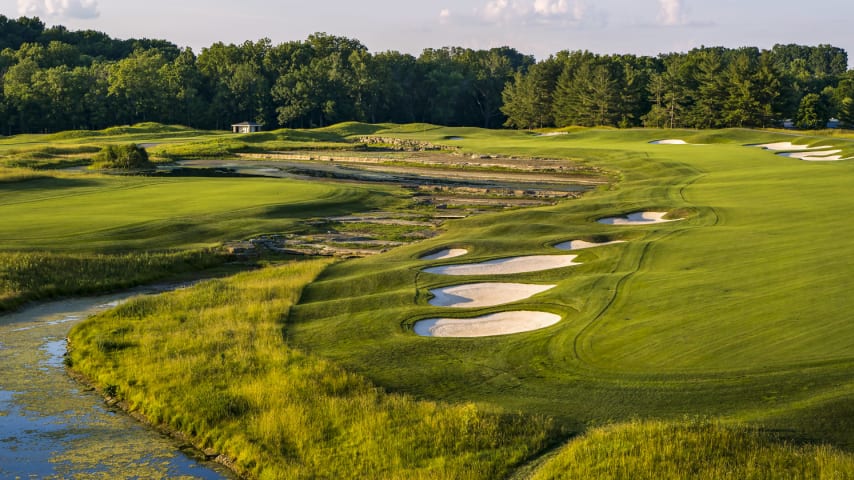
821, 153
506, 266
638, 218
552, 134
447, 253
822, 156
581, 244
475, 295
788, 146
503, 323
669, 142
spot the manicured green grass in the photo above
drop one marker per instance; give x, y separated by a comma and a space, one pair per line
741, 310
71, 233
101, 213
211, 362
655, 450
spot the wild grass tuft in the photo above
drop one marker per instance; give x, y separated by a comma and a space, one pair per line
696, 449
29, 276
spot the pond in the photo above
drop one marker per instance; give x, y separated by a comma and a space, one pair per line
53, 427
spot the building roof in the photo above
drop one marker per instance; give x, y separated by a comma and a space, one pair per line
246, 124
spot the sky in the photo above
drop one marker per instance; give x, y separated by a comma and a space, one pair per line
537, 27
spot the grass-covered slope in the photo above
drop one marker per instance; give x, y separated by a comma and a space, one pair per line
739, 310
701, 450
71, 233
100, 213
211, 362
33, 276
167, 142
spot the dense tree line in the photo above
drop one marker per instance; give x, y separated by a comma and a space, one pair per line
704, 88
54, 79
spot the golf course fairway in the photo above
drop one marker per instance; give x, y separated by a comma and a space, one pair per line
740, 310
715, 314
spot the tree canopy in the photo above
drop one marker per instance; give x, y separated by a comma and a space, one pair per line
55, 79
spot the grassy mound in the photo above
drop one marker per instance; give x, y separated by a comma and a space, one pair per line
145, 128
211, 362
699, 450
227, 146
127, 156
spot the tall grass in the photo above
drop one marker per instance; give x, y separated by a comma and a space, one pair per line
211, 362
9, 175
695, 449
230, 147
39, 275
47, 156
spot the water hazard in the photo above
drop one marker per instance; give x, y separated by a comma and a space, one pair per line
52, 427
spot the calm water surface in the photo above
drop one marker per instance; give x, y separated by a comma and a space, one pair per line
51, 427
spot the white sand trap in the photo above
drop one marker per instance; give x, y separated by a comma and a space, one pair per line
475, 295
552, 134
789, 146
447, 253
581, 244
506, 266
822, 156
502, 323
671, 141
638, 218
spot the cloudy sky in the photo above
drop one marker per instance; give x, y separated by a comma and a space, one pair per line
538, 27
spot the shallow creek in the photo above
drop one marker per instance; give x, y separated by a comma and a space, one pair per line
52, 427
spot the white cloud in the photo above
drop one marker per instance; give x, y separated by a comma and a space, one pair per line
541, 10
671, 12
59, 8
551, 7
496, 9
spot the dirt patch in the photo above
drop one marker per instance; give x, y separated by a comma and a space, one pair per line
434, 159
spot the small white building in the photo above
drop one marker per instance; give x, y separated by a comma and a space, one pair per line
788, 123
246, 127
